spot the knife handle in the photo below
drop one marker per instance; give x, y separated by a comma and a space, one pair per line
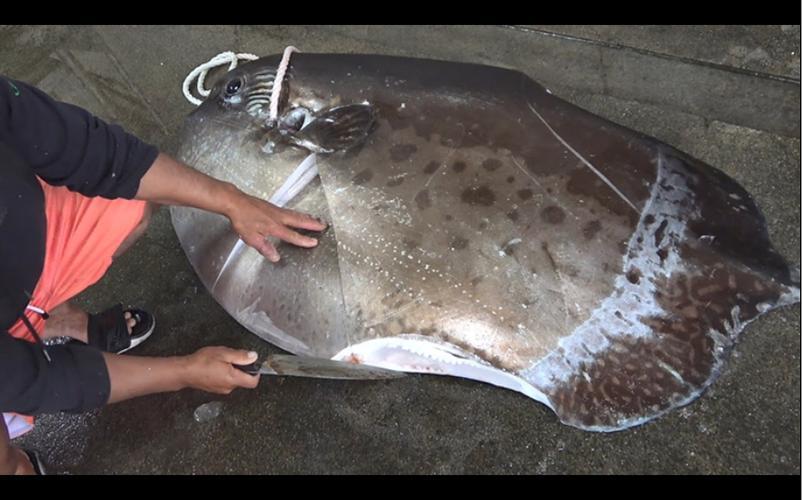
251, 369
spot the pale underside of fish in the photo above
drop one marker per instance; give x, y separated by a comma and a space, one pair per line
486, 229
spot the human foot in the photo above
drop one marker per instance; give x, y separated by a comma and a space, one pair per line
102, 330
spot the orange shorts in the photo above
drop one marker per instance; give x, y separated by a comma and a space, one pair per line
82, 236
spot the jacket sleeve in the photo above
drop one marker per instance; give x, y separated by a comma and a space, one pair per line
67, 146
75, 380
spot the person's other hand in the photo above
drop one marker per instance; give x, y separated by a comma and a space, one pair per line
254, 220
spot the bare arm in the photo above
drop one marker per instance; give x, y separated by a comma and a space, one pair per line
208, 369
170, 182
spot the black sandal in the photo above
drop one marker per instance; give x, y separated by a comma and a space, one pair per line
36, 462
108, 330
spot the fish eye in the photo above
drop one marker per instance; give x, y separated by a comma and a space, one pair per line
233, 86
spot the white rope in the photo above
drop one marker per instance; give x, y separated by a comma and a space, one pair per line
279, 81
201, 71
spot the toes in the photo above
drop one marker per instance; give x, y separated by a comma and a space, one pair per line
131, 322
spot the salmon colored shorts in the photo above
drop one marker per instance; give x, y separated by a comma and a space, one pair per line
82, 236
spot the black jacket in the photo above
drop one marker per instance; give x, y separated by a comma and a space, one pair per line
65, 146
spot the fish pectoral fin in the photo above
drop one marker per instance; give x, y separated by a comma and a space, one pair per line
336, 129
415, 354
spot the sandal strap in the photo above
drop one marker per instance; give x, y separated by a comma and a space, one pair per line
108, 330
36, 462
144, 322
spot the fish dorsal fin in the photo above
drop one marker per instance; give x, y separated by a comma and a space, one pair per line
336, 129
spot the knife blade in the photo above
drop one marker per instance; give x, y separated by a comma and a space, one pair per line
304, 366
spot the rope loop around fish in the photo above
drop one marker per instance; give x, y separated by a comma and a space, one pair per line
229, 57
279, 81
232, 59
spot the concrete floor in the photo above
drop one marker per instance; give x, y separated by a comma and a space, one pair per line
727, 95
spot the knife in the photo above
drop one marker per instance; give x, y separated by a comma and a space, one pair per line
303, 366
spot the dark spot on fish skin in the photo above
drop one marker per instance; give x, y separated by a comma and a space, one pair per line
481, 195
525, 194
449, 217
510, 179
619, 315
491, 164
395, 119
663, 254
362, 177
658, 234
591, 229
571, 271
476, 281
437, 304
553, 214
396, 181
648, 220
402, 152
482, 225
513, 215
605, 267
411, 244
459, 167
588, 184
422, 200
431, 167
459, 243
633, 275
549, 190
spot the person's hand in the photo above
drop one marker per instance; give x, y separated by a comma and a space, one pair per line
254, 220
210, 369
170, 182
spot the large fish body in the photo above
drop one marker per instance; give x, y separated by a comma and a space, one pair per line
486, 229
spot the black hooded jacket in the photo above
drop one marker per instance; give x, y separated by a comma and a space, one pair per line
64, 145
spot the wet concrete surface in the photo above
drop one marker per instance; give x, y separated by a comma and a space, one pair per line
698, 89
